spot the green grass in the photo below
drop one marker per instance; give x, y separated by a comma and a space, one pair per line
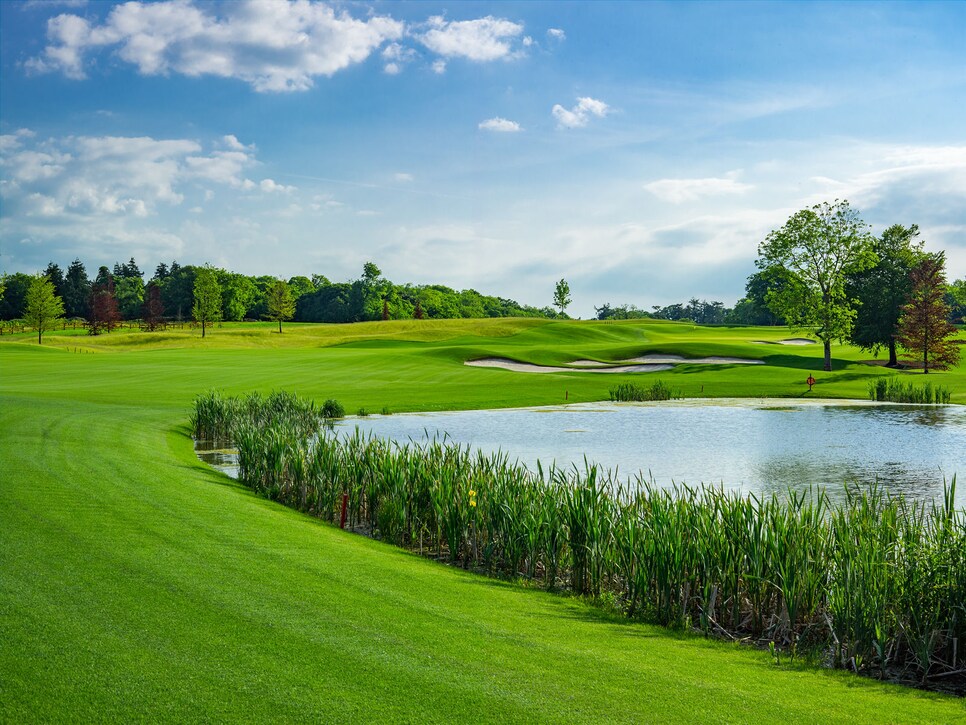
136, 583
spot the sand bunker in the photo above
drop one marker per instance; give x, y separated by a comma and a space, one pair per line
643, 364
520, 367
788, 341
677, 359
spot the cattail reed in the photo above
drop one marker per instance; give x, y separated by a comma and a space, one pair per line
874, 582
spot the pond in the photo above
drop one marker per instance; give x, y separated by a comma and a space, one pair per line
759, 446
751, 445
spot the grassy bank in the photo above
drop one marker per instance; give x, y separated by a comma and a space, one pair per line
139, 584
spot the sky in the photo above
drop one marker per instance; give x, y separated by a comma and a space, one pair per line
640, 150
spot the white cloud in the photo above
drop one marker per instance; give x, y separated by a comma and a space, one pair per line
578, 116
501, 125
439, 66
11, 141
396, 56
94, 176
270, 186
483, 39
274, 45
557, 34
234, 144
403, 177
677, 191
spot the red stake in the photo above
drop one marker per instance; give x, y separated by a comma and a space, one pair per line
345, 505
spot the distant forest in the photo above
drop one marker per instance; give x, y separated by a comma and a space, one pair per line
370, 297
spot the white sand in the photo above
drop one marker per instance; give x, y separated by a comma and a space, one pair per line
789, 341
643, 364
675, 359
504, 364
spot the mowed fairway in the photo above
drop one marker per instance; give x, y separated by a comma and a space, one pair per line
137, 584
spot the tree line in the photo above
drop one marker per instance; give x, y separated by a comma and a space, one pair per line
173, 294
823, 271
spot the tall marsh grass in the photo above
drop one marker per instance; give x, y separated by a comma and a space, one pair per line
894, 390
875, 583
630, 392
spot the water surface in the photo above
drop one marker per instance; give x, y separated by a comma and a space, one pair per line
759, 446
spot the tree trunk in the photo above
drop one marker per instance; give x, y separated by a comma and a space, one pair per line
279, 327
202, 329
40, 335
893, 359
828, 355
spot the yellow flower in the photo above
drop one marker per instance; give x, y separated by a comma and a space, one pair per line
472, 493
472, 503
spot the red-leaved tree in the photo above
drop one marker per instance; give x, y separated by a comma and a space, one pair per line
152, 311
104, 314
924, 330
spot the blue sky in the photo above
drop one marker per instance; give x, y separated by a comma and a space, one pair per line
640, 150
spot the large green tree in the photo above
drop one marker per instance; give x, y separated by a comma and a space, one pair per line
43, 307
129, 291
207, 298
924, 329
882, 289
956, 299
279, 303
818, 247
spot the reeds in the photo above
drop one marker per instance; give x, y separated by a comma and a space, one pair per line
875, 583
895, 390
630, 392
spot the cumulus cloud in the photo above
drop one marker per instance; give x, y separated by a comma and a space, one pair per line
483, 39
92, 176
677, 191
556, 34
439, 66
274, 45
500, 125
270, 186
580, 114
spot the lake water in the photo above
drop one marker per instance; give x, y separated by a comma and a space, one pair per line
759, 446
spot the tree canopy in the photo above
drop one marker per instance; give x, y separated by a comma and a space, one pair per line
882, 289
279, 303
818, 247
207, 298
43, 306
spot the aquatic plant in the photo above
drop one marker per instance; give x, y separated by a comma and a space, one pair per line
894, 390
630, 392
876, 584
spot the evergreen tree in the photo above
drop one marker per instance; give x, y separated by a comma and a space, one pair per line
924, 329
56, 277
77, 290
43, 306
